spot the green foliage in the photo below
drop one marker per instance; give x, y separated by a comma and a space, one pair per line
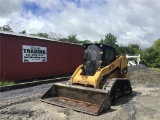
44, 35
110, 40
6, 28
95, 42
63, 39
130, 49
156, 44
157, 70
5, 83
133, 48
85, 42
54, 36
122, 50
151, 57
23, 32
73, 38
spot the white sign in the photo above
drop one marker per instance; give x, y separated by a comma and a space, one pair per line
34, 53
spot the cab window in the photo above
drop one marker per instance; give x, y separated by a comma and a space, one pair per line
109, 54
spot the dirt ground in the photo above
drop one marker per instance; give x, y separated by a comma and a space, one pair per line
143, 104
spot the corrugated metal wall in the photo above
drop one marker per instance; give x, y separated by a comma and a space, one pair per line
62, 58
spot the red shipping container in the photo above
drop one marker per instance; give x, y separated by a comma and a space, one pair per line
62, 58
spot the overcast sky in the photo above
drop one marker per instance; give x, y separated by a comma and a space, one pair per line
131, 21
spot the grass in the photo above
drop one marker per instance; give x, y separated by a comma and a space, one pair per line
5, 83
157, 70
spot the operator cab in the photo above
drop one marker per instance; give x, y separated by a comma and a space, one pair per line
97, 56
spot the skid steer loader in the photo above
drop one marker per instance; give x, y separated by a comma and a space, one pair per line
100, 80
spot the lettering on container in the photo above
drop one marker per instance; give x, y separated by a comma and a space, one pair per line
34, 53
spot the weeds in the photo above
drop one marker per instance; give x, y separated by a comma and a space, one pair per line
157, 70
5, 83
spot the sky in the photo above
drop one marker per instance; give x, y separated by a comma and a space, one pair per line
131, 21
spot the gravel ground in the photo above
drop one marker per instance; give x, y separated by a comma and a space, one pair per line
141, 74
131, 69
144, 104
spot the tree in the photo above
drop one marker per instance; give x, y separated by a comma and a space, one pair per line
85, 42
63, 39
6, 28
130, 49
23, 32
110, 40
134, 46
45, 35
95, 42
156, 44
53, 35
133, 49
72, 38
151, 57
122, 50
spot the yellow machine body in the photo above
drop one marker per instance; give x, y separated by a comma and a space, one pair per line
95, 84
107, 71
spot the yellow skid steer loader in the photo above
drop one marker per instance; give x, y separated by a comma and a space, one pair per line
96, 84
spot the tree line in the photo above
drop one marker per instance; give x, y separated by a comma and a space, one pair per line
149, 56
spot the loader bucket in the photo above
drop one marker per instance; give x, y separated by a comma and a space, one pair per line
84, 99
